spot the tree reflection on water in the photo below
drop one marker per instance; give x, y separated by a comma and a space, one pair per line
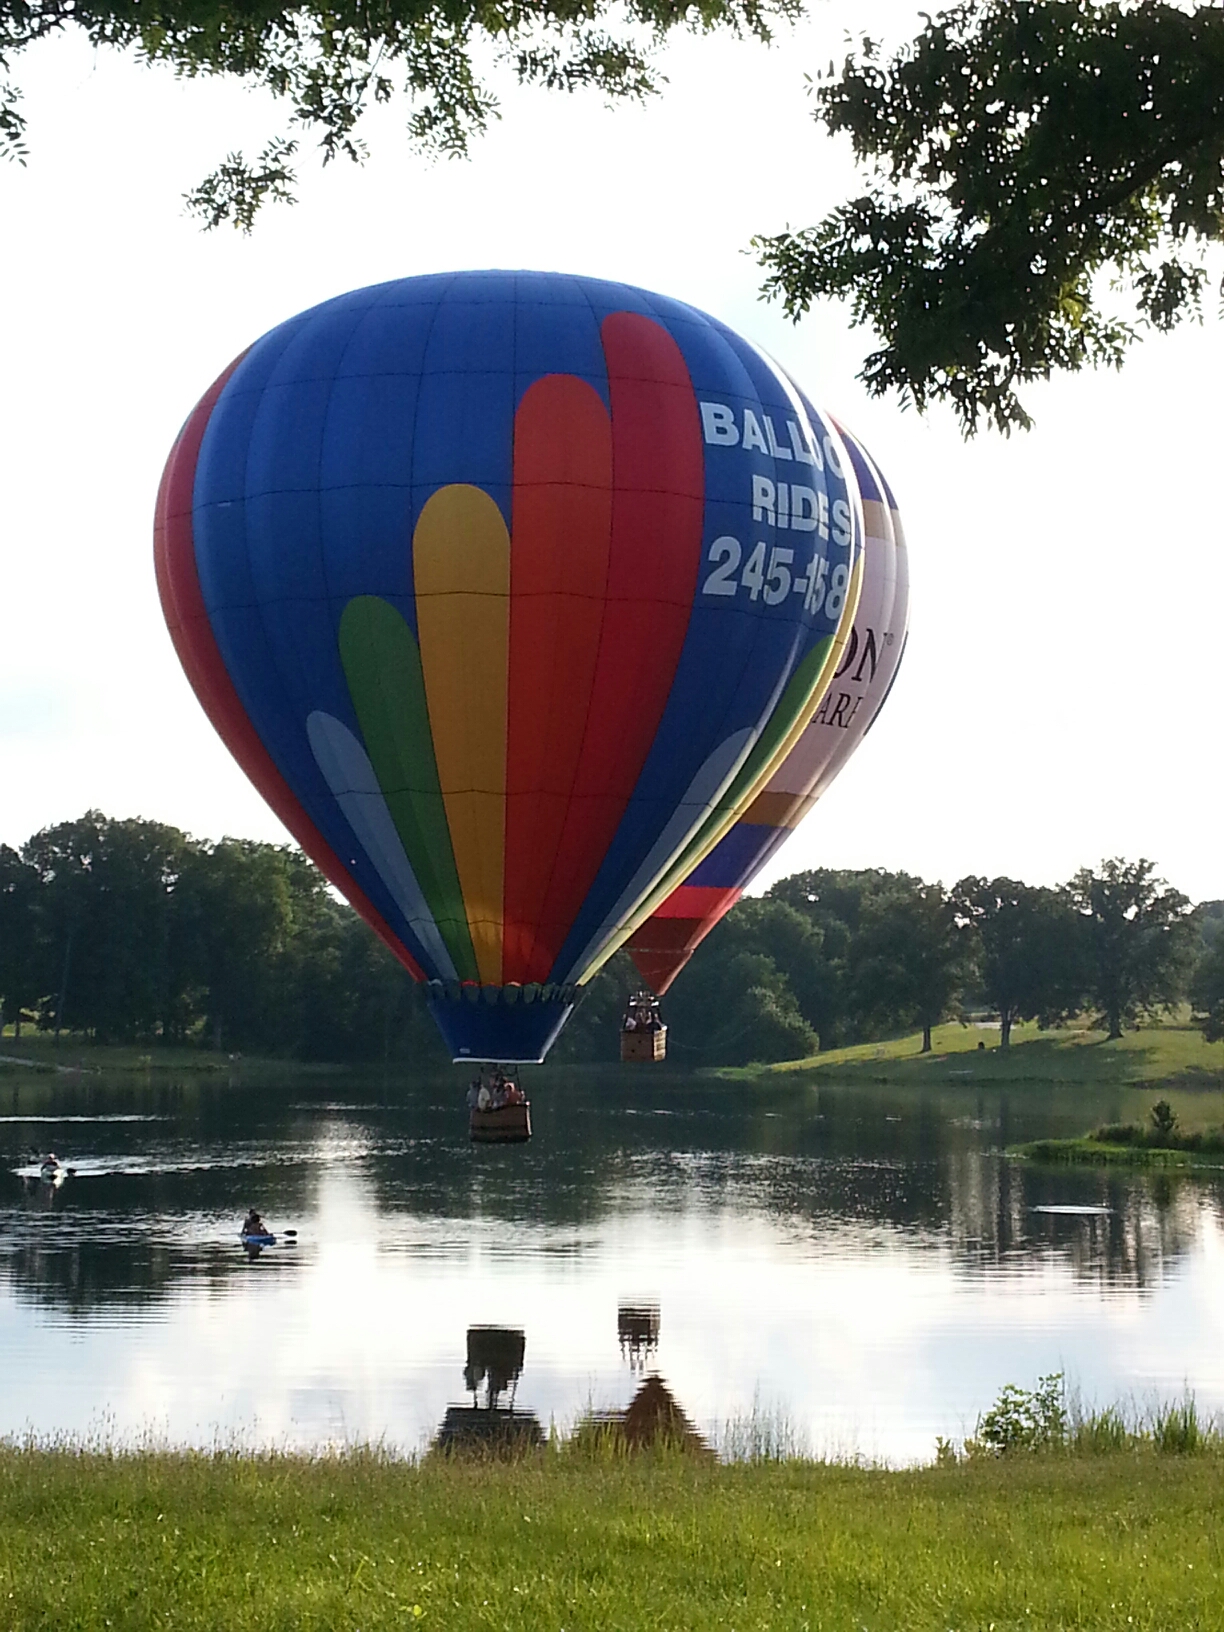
156, 1203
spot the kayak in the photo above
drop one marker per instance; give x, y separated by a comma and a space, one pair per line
258, 1240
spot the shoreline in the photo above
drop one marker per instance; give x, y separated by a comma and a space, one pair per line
1088, 1152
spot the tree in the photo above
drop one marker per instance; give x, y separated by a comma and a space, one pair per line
794, 943
834, 902
735, 1001
911, 958
1208, 920
19, 948
105, 888
736, 1006
1031, 949
1019, 151
233, 923
1207, 991
1139, 939
330, 62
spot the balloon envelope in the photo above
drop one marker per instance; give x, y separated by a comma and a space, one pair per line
858, 687
506, 590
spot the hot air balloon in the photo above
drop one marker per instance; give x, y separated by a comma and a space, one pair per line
665, 942
506, 590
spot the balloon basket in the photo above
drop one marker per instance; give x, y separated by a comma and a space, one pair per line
644, 1045
643, 1035
507, 1125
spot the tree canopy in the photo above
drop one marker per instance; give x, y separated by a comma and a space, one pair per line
1207, 991
1029, 159
1140, 940
134, 931
331, 62
1031, 959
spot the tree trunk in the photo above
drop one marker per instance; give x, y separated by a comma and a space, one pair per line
926, 1038
1115, 1026
1005, 1025
63, 991
17, 1025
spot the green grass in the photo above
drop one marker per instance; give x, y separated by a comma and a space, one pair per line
1173, 1055
1132, 1145
1090, 1152
1128, 1541
39, 1052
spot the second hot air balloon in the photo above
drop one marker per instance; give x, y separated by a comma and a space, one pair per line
843, 715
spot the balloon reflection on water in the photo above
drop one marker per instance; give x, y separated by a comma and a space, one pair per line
494, 1424
495, 1357
637, 1331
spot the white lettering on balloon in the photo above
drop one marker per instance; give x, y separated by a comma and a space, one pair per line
767, 573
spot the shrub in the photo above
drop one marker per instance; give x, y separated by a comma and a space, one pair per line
1164, 1118
1024, 1419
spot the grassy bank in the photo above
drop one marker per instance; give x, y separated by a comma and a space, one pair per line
1160, 1142
39, 1052
1171, 1056
1127, 1541
1092, 1152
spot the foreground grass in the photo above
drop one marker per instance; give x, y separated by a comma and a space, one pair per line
1128, 1541
1166, 1056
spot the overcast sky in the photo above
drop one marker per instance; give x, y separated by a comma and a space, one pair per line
1060, 696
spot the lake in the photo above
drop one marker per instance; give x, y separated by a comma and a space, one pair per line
860, 1267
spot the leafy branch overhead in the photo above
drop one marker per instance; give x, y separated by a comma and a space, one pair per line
1023, 156
330, 62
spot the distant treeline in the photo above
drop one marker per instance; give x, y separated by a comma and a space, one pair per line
133, 931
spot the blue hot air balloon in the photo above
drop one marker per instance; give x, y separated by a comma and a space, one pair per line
506, 590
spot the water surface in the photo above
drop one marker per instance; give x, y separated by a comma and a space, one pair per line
864, 1263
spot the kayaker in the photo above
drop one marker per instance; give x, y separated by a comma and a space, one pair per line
252, 1224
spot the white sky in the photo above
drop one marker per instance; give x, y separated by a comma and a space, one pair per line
1060, 697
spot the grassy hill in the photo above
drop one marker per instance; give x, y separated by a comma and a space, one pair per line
1171, 1056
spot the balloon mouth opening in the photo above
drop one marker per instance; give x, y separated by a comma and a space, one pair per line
499, 1025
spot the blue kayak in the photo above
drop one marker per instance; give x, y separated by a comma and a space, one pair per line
258, 1240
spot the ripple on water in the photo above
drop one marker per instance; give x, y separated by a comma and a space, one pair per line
1071, 1210
115, 1117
